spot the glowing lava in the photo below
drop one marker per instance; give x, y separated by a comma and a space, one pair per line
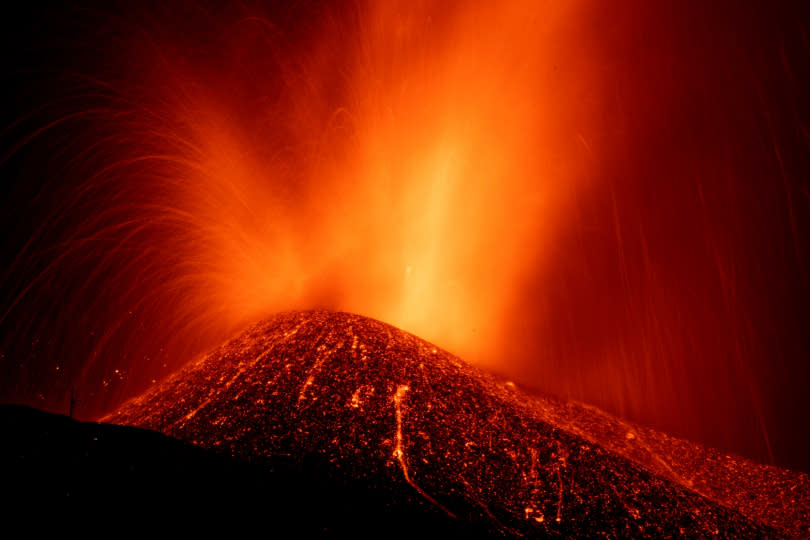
388, 158
604, 200
386, 407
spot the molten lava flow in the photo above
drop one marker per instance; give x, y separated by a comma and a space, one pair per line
401, 454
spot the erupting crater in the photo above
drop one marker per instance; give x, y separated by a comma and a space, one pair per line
412, 421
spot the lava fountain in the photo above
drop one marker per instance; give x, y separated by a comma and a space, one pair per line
590, 199
394, 160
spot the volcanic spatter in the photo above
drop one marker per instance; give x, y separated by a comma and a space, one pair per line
399, 414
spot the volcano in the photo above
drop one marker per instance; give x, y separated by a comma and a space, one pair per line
423, 429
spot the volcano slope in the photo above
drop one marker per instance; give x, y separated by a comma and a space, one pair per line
417, 425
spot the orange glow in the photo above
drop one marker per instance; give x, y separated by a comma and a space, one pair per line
606, 201
405, 183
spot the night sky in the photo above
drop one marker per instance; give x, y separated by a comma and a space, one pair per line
607, 202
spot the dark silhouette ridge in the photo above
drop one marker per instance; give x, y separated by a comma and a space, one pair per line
96, 472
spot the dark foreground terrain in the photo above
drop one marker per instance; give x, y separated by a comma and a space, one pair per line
96, 474
336, 423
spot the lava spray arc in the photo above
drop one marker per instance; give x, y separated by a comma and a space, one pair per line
393, 159
593, 200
